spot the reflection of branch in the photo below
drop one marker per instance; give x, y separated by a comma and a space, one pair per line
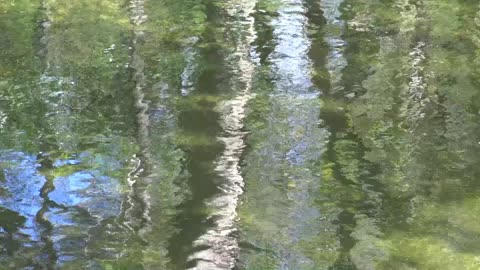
46, 234
137, 198
47, 164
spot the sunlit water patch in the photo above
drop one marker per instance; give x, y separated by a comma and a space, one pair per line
291, 67
22, 184
334, 30
80, 201
283, 154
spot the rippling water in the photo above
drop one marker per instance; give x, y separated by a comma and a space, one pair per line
239, 134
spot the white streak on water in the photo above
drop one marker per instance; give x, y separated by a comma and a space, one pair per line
137, 18
416, 96
335, 26
3, 120
187, 76
417, 99
222, 245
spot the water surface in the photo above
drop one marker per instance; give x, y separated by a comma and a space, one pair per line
239, 134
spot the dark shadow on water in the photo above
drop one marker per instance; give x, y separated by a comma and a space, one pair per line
201, 122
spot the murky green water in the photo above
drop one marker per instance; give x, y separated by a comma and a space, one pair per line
240, 134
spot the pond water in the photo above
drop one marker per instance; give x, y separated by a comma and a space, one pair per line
240, 134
